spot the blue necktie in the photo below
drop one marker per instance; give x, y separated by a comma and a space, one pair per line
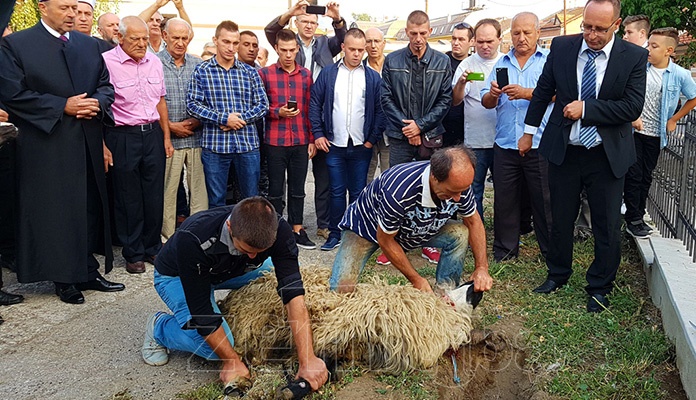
588, 134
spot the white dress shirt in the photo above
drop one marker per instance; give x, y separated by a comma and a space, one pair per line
349, 106
601, 63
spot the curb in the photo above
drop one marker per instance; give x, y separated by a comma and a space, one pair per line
671, 277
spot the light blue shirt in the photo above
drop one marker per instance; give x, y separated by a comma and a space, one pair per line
509, 126
675, 80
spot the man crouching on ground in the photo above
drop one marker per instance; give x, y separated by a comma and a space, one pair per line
410, 205
226, 248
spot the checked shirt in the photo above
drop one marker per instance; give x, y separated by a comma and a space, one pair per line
282, 86
214, 93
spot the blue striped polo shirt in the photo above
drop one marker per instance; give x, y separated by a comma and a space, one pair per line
399, 200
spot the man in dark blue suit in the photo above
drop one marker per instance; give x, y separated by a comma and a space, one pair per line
599, 84
56, 90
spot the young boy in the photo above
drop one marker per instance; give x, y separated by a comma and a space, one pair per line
636, 28
665, 82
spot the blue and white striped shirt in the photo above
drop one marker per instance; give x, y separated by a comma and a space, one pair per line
400, 201
215, 92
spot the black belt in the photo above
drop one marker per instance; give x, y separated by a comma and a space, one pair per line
137, 128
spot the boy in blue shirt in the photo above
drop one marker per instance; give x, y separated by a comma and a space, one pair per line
665, 81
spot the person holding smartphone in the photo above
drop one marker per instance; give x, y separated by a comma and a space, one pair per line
288, 141
315, 53
512, 169
479, 125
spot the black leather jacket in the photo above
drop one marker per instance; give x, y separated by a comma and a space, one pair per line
436, 92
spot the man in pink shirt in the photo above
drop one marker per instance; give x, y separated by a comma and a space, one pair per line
139, 142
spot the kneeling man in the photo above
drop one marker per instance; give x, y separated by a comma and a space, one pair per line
409, 206
224, 248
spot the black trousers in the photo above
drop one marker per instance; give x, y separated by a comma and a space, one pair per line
8, 200
513, 173
138, 186
454, 130
321, 189
639, 176
588, 169
294, 161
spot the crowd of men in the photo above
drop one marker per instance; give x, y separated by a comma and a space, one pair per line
156, 142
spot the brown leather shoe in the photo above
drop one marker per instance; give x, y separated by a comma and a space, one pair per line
323, 232
137, 267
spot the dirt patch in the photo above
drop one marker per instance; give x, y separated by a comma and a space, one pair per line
366, 387
491, 367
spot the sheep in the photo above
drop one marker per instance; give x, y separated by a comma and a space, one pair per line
392, 328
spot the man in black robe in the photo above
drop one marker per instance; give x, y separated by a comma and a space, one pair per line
55, 88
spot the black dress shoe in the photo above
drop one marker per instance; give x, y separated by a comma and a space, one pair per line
100, 284
7, 299
548, 286
69, 294
1, 320
597, 303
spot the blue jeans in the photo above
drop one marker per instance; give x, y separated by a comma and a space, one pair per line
347, 171
354, 252
168, 328
401, 151
484, 162
216, 167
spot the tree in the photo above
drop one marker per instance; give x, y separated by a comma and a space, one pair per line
679, 14
363, 17
26, 13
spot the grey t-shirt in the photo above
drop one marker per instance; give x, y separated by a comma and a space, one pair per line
653, 102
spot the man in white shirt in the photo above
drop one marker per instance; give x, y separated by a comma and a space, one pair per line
479, 126
346, 121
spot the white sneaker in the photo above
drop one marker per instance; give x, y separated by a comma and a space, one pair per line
153, 352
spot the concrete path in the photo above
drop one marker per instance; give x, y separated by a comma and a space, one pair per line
671, 276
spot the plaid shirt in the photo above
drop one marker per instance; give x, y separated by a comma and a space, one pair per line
282, 86
214, 93
176, 80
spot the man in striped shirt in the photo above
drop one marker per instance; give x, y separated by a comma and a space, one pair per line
228, 96
409, 206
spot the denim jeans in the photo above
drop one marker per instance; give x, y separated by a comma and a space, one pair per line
168, 328
400, 151
354, 252
484, 162
347, 171
216, 167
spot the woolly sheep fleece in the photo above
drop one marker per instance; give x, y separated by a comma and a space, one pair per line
393, 328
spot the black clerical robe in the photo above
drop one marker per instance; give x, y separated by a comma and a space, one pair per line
62, 211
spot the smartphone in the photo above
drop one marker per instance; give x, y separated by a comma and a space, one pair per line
475, 76
320, 10
292, 104
501, 75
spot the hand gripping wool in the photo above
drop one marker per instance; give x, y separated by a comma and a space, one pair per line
392, 328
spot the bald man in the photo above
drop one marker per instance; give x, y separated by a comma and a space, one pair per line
107, 26
375, 44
